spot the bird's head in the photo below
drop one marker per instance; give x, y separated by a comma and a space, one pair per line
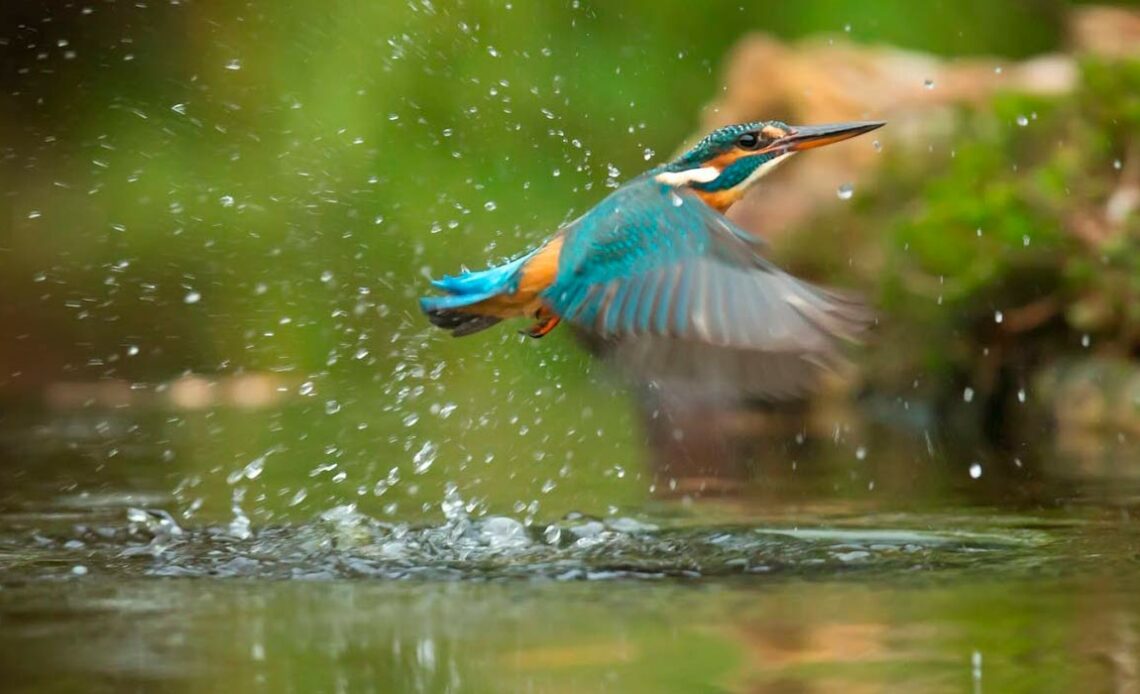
722, 166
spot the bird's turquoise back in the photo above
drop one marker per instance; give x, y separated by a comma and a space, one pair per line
655, 240
674, 291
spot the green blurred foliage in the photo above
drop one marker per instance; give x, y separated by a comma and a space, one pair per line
223, 187
998, 253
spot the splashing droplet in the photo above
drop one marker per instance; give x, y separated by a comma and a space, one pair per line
424, 458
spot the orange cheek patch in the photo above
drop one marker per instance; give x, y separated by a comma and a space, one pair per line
722, 161
771, 132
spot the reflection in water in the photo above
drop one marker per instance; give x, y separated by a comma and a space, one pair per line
1013, 634
805, 579
846, 556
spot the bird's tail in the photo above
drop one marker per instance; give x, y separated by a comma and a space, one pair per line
458, 310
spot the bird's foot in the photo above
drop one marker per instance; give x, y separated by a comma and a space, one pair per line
543, 326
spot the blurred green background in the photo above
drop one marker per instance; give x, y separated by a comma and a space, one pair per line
224, 188
217, 217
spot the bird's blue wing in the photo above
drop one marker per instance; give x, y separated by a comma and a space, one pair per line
650, 260
679, 290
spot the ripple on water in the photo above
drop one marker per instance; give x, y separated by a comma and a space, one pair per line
344, 543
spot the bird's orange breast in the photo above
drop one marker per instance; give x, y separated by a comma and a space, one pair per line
539, 272
534, 277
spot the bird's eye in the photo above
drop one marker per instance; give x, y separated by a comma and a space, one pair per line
748, 141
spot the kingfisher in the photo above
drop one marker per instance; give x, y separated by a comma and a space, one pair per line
657, 277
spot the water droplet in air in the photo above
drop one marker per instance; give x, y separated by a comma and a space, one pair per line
968, 394
490, 206
647, 154
226, 200
234, 64
877, 145
424, 458
845, 191
998, 317
997, 70
254, 469
1025, 239
1022, 121
1021, 395
1117, 164
132, 351
860, 453
928, 83
332, 407
34, 214
1085, 340
180, 109
975, 471
326, 276
192, 297
847, 28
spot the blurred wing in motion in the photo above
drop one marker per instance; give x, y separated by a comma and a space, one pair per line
677, 295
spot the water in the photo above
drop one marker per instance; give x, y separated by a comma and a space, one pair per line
795, 574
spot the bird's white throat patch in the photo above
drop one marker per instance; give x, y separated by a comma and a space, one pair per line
704, 174
707, 174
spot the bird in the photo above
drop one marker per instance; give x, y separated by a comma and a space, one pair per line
656, 278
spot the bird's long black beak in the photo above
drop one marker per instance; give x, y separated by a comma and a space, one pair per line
811, 136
